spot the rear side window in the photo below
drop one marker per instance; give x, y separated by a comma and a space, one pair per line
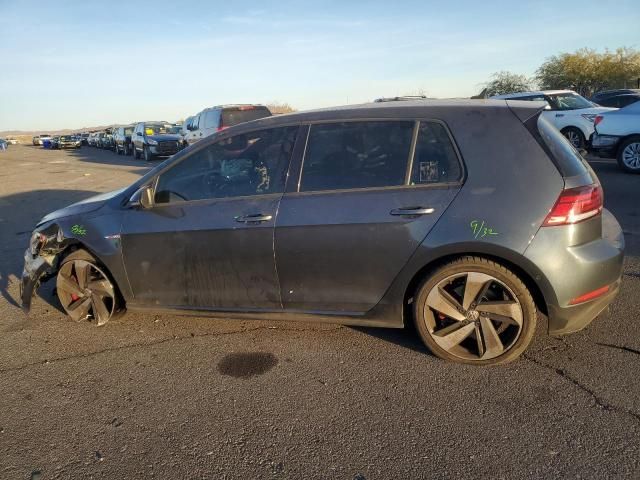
435, 160
234, 116
565, 156
356, 155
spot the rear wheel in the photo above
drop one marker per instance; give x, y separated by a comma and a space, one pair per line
575, 137
629, 155
475, 311
85, 290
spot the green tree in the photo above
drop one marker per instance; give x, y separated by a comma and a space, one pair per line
588, 71
506, 82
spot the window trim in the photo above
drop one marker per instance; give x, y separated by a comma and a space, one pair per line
410, 159
153, 183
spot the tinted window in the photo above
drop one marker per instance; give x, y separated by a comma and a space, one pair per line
194, 122
567, 158
356, 155
234, 116
251, 164
435, 160
211, 119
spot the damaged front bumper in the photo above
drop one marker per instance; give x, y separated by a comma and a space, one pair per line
35, 267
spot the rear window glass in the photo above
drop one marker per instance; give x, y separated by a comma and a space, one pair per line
565, 156
234, 116
435, 160
356, 155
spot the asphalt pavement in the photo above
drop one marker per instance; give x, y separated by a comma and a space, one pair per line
165, 396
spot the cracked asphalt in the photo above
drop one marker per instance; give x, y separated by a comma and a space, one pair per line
156, 395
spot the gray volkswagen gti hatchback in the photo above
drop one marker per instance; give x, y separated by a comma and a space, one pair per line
465, 217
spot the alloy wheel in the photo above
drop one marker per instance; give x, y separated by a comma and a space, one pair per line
631, 155
574, 138
473, 316
85, 292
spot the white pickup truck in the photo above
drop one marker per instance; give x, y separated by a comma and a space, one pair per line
618, 135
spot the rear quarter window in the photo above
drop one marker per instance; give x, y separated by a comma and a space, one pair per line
435, 159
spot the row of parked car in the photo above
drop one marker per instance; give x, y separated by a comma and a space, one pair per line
152, 139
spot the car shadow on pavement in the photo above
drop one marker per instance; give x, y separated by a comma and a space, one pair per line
404, 337
107, 157
19, 214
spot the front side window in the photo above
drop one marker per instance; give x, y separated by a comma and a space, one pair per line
255, 163
356, 155
435, 159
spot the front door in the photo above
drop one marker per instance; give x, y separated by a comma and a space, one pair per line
364, 204
207, 242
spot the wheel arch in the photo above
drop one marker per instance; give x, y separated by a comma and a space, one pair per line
73, 246
533, 279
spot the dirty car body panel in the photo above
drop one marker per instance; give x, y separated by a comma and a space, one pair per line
342, 255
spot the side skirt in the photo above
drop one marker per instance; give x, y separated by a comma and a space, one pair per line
385, 317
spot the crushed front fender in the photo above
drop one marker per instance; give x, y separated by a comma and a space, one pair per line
34, 269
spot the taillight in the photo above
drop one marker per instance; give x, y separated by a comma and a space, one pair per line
219, 129
246, 107
575, 205
590, 296
597, 120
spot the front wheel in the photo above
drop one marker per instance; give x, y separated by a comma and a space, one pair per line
136, 155
475, 311
85, 290
629, 155
575, 137
147, 154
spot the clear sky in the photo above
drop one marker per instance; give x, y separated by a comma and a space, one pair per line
69, 64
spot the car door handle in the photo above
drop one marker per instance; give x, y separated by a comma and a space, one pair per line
412, 211
258, 217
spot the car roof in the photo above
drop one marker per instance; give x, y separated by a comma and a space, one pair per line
408, 110
234, 105
528, 94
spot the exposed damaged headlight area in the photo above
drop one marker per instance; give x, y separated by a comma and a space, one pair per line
40, 259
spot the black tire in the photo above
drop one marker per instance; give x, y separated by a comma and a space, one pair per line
117, 304
630, 143
575, 137
147, 154
136, 155
118, 151
127, 152
517, 342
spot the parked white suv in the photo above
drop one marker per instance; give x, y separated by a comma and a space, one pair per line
571, 113
215, 119
618, 135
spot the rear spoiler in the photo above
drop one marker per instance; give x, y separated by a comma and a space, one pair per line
525, 109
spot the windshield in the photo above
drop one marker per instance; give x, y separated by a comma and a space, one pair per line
156, 129
66, 138
175, 129
569, 101
128, 130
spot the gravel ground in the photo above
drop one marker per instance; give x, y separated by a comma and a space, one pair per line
152, 395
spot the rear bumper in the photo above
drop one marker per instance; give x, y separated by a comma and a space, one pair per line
573, 268
605, 145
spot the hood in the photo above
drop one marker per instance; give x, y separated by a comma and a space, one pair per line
165, 137
88, 205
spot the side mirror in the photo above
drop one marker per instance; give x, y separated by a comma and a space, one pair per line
143, 198
139, 134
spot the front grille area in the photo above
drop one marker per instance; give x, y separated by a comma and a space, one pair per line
167, 148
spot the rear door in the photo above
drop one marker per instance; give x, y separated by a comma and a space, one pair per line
367, 195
